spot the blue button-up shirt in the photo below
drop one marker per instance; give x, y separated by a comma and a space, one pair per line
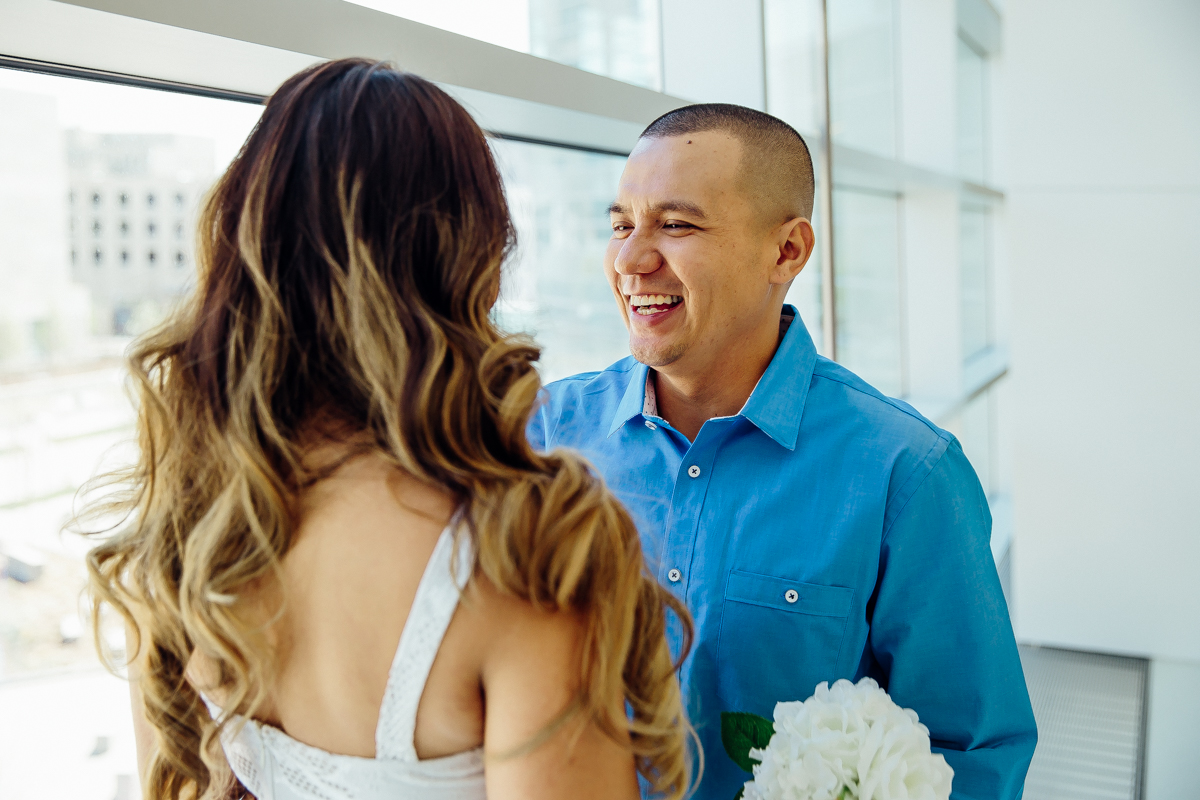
824, 532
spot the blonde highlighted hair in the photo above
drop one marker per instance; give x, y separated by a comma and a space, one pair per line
348, 261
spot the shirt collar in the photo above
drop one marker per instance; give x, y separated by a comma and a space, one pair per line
633, 402
777, 402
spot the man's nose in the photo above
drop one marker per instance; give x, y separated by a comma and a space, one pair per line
637, 255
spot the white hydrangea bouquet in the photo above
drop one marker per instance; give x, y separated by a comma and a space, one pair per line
846, 742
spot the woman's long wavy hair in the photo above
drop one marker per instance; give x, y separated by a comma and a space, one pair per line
348, 261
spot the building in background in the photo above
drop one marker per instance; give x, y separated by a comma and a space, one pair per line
133, 202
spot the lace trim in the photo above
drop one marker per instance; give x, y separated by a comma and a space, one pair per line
432, 609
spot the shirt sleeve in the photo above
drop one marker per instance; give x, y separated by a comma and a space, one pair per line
941, 636
535, 430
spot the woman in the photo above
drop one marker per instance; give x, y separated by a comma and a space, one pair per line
345, 571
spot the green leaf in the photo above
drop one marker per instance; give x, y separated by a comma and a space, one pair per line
740, 732
741, 792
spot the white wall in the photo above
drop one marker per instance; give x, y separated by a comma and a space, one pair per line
1102, 117
1172, 772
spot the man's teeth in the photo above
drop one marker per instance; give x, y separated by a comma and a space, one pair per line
642, 302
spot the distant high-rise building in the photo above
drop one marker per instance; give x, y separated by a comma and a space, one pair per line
133, 201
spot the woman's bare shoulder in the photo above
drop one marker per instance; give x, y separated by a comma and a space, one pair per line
529, 663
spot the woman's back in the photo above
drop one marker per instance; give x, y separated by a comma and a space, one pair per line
363, 538
363, 671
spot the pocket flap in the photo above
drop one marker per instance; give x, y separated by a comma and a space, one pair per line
771, 592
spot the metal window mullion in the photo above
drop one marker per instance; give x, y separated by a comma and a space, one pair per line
828, 292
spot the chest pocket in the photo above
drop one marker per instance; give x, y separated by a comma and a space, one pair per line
779, 639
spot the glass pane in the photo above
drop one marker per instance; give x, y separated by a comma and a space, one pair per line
555, 288
795, 64
617, 38
972, 113
976, 438
99, 187
973, 260
795, 93
862, 80
867, 272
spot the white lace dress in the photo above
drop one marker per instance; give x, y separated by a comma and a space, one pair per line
274, 766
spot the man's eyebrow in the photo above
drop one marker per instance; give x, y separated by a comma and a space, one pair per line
665, 206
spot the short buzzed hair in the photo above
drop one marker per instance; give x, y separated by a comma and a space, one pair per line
777, 166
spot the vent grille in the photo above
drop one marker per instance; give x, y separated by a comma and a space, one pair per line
1091, 717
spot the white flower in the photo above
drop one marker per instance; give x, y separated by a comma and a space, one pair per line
848, 741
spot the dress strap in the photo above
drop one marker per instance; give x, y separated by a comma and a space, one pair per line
432, 609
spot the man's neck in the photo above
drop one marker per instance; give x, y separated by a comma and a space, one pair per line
689, 397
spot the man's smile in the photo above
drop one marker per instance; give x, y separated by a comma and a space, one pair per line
649, 305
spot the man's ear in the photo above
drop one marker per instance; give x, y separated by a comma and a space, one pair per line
795, 238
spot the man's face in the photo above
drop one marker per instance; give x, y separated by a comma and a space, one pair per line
691, 258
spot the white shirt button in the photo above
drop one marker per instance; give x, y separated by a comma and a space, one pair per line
791, 595
694, 471
651, 425
674, 575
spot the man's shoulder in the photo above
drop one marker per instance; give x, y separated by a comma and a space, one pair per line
875, 432
839, 397
613, 379
574, 410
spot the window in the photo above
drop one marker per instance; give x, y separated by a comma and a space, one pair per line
151, 257
795, 67
151, 229
974, 245
555, 287
96, 228
178, 230
972, 113
62, 402
150, 201
866, 239
617, 38
862, 75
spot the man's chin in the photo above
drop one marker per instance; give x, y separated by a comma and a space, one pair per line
657, 354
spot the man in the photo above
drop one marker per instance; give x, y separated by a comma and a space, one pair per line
815, 529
